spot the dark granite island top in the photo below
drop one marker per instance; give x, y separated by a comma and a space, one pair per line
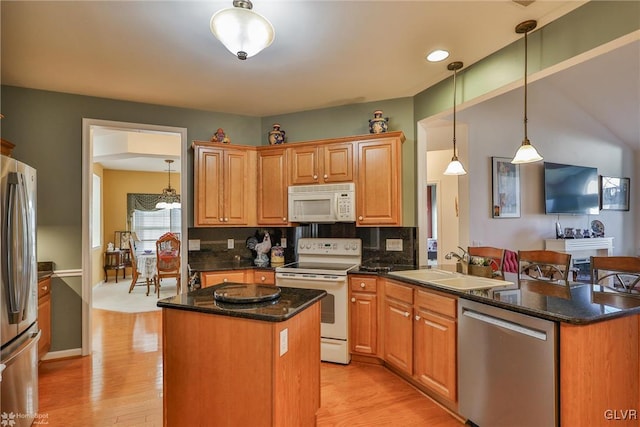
291, 302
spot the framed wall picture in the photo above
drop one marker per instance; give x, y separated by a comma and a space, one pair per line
614, 193
506, 188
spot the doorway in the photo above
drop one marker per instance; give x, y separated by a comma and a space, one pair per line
89, 128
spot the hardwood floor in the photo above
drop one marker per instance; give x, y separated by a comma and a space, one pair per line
121, 384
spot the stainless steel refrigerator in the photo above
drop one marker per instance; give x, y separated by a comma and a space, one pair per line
19, 332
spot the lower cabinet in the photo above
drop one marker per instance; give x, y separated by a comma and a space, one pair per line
363, 315
210, 278
44, 316
420, 337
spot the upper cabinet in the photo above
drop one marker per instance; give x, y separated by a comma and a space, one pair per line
379, 180
272, 186
224, 185
321, 162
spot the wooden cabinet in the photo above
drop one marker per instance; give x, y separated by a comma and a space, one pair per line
272, 186
321, 163
398, 326
434, 340
44, 316
379, 181
263, 277
224, 185
210, 278
363, 315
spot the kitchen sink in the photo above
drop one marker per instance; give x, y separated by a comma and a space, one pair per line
424, 275
450, 280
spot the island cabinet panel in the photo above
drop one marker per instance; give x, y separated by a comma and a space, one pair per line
599, 373
363, 315
272, 187
228, 371
321, 162
435, 340
398, 327
379, 182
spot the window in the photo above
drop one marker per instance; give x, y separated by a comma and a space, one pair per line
149, 225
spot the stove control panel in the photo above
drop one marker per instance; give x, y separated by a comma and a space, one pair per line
329, 246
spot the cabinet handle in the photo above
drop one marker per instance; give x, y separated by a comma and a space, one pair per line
360, 218
353, 300
226, 220
225, 280
362, 285
284, 219
315, 177
406, 314
417, 317
263, 278
44, 288
221, 219
326, 176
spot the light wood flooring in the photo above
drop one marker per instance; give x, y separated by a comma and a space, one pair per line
121, 384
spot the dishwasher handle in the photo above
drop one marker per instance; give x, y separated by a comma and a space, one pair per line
505, 324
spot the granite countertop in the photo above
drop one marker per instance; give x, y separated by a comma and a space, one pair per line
577, 307
291, 302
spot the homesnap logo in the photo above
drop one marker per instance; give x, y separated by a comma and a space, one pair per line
7, 419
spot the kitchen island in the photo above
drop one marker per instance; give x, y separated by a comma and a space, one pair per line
236, 364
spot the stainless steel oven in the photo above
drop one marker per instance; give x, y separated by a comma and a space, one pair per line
324, 264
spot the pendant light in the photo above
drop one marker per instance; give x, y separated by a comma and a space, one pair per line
454, 167
241, 30
169, 199
527, 152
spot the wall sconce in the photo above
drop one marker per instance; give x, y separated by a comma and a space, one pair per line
454, 167
527, 152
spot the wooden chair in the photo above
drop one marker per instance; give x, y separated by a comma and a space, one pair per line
545, 272
496, 256
134, 269
168, 260
615, 279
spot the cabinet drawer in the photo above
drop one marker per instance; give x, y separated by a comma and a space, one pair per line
363, 284
399, 292
44, 287
264, 277
215, 278
436, 303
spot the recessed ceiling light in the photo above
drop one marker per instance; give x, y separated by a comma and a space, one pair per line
437, 55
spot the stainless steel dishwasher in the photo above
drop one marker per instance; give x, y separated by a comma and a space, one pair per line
507, 370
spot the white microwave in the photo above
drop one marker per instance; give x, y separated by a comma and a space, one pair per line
319, 203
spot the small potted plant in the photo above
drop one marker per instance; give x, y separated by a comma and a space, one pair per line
479, 266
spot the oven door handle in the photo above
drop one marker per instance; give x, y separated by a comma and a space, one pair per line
314, 277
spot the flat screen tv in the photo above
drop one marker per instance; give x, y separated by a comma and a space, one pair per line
570, 189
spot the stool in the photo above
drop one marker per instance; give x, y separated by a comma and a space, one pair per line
113, 260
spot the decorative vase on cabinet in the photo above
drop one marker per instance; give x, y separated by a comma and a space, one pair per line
378, 124
276, 136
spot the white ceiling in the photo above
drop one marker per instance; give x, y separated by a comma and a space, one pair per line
326, 53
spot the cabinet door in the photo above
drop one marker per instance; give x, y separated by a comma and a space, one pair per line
435, 353
272, 187
379, 194
44, 316
304, 165
363, 322
210, 278
236, 190
398, 335
208, 186
263, 277
337, 162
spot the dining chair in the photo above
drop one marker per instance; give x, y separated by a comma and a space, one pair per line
545, 272
495, 255
134, 269
617, 273
168, 260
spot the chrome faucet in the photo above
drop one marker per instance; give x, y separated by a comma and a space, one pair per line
461, 258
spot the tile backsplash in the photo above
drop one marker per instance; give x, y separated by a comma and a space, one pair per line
380, 245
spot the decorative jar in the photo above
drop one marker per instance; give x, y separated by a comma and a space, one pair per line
378, 124
277, 135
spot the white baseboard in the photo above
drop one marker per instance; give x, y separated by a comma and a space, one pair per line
62, 354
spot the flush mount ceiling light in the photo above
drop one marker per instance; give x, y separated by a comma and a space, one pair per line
169, 199
437, 55
527, 152
241, 30
455, 167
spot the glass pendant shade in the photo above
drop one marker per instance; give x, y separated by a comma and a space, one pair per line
241, 30
169, 199
455, 168
527, 153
